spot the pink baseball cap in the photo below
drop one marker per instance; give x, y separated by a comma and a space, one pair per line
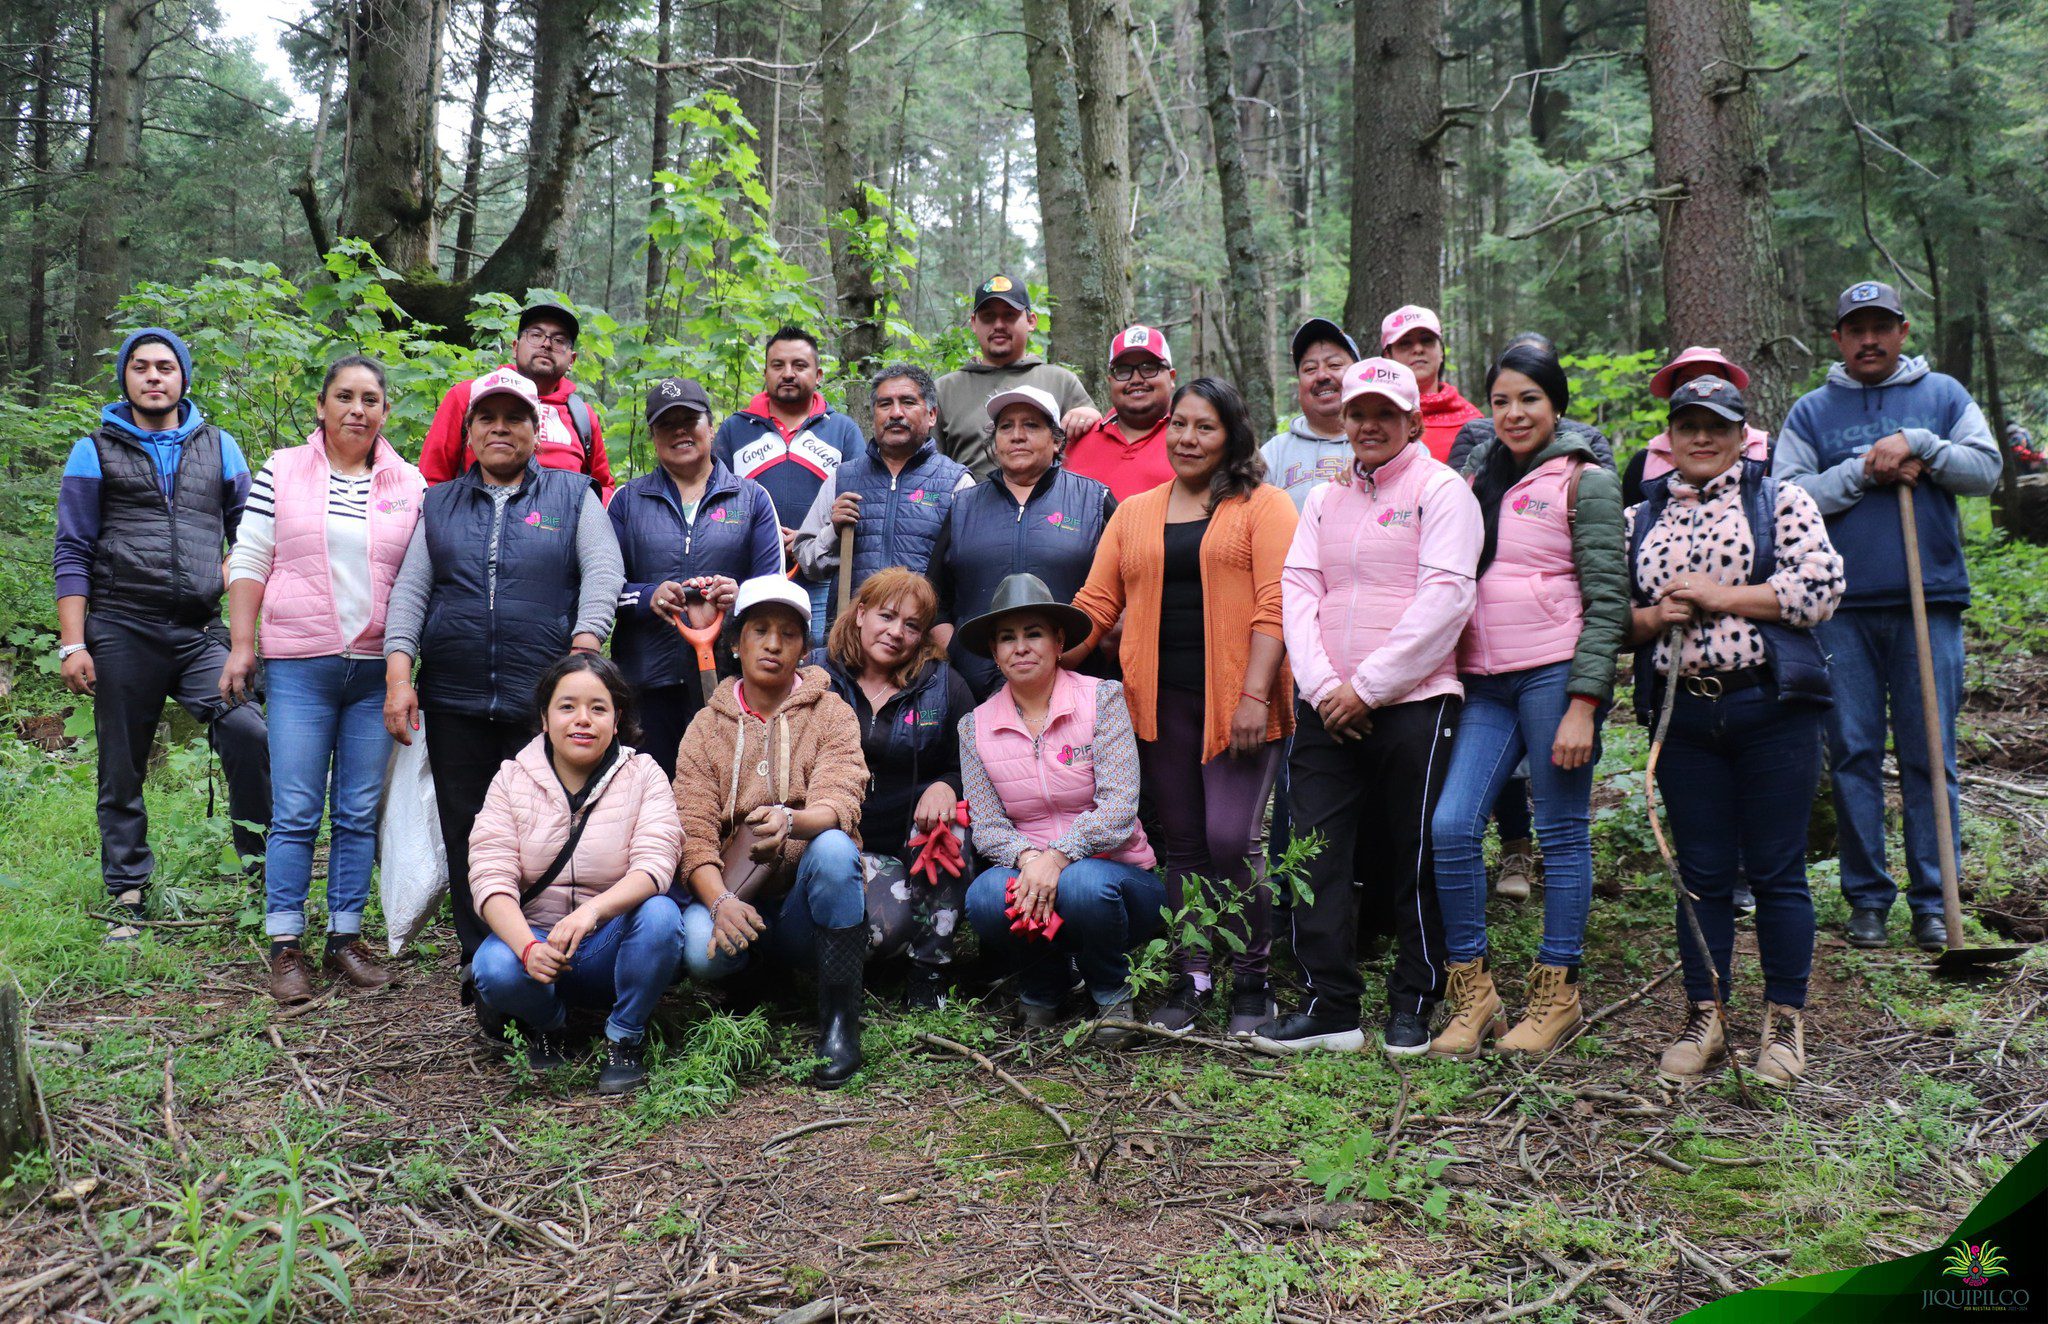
1382, 377
505, 381
1407, 318
1660, 385
1147, 338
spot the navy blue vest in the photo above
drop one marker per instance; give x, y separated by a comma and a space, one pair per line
159, 559
1797, 662
658, 544
491, 633
1052, 535
900, 514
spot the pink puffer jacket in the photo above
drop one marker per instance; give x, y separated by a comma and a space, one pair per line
525, 820
298, 598
1530, 610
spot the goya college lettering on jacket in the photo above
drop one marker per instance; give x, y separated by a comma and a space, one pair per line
790, 463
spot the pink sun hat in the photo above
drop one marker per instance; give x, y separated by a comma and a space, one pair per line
1660, 385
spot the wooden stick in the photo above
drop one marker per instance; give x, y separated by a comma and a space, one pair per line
807, 1128
1930, 717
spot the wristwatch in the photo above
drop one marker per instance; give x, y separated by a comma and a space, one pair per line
64, 651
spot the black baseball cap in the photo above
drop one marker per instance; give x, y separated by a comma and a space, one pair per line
673, 393
1715, 393
1318, 329
1002, 287
1868, 294
551, 312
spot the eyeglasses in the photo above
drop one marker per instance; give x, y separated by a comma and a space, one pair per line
533, 335
1123, 372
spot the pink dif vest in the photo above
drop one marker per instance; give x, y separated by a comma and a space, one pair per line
1048, 784
1369, 544
1530, 611
298, 598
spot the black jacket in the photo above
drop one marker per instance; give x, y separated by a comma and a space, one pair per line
911, 743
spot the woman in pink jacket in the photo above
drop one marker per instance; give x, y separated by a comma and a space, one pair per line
1375, 592
314, 557
570, 864
1051, 770
1537, 663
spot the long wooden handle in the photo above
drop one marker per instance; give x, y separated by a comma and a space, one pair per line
845, 568
1930, 714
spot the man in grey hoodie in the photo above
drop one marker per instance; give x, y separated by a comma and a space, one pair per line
1313, 450
1002, 321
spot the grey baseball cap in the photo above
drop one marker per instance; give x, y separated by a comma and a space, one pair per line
1868, 294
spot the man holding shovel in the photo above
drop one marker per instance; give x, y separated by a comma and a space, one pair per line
1882, 431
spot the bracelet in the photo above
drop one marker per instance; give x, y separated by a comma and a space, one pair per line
1261, 700
524, 950
727, 896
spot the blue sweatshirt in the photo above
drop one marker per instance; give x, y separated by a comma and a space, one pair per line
1822, 445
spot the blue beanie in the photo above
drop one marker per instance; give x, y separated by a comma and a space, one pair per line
144, 336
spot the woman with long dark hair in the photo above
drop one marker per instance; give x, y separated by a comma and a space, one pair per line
1537, 664
1192, 568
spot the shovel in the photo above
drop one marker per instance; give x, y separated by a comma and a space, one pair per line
703, 640
1956, 959
845, 571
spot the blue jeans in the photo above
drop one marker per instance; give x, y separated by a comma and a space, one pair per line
626, 965
324, 713
1738, 776
1874, 664
1506, 717
1107, 908
829, 894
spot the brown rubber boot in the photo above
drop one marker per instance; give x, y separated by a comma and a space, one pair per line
1781, 1050
291, 976
1702, 1043
1517, 870
1553, 1011
1475, 1012
355, 965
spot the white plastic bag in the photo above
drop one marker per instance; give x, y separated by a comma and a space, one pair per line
411, 863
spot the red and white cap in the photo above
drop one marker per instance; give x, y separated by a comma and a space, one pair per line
1662, 384
1407, 318
1385, 378
505, 381
1149, 339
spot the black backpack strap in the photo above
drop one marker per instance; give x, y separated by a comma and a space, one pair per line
577, 822
579, 419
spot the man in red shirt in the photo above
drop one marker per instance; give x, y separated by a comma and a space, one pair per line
1126, 451
571, 436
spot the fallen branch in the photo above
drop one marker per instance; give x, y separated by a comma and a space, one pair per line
1562, 1294
1016, 1086
807, 1128
513, 1222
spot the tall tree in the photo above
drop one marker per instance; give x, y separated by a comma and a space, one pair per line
1397, 173
664, 106
45, 63
1102, 51
393, 189
1722, 280
1082, 319
479, 121
1245, 284
566, 46
858, 297
104, 242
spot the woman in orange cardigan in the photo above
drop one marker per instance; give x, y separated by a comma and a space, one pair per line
1192, 567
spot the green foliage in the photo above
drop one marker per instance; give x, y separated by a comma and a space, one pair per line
1202, 923
1365, 1167
1248, 1286
702, 1076
2008, 614
1612, 392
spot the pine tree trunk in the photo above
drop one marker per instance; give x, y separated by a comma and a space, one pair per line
1245, 282
479, 120
1102, 52
19, 1126
1082, 321
1722, 281
104, 245
1397, 180
846, 200
39, 256
394, 87
664, 105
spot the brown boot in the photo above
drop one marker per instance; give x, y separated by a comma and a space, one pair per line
1517, 870
291, 976
355, 965
1553, 1011
1475, 1012
1781, 1048
1702, 1043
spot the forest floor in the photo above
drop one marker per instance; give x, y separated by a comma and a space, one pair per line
1202, 1181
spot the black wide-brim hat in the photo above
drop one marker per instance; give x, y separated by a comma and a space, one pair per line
1023, 593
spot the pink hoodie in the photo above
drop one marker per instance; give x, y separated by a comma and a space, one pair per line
298, 596
1530, 610
1380, 582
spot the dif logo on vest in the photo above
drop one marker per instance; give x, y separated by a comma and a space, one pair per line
545, 523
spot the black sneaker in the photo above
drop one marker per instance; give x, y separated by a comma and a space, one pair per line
1300, 1031
924, 989
1930, 933
545, 1049
1183, 1006
1745, 902
1406, 1034
1251, 1005
1866, 928
625, 1067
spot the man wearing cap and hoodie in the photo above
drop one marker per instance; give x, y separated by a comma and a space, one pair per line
1002, 321
1312, 450
145, 513
1126, 450
1880, 421
571, 435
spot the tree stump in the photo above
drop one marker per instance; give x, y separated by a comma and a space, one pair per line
2028, 516
18, 1129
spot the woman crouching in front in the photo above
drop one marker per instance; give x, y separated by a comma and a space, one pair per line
774, 759
1051, 769
570, 864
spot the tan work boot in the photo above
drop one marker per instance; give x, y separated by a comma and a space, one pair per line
1475, 1012
1553, 1011
1517, 870
291, 976
1702, 1043
1781, 1047
355, 964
